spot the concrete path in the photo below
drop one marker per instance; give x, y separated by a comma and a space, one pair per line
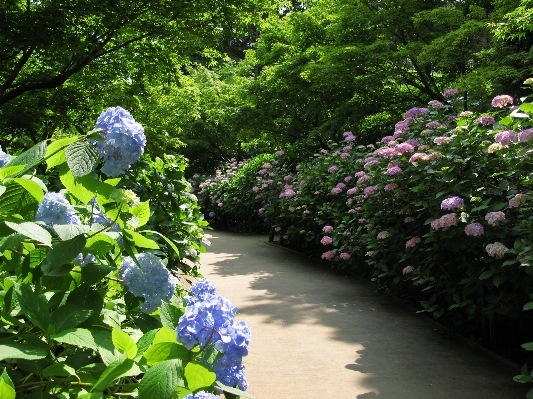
319, 335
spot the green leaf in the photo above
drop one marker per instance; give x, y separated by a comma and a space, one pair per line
58, 370
30, 158
11, 242
485, 275
76, 336
528, 346
86, 297
33, 306
65, 251
94, 272
69, 316
82, 158
124, 343
170, 315
10, 170
528, 306
234, 391
5, 377
169, 242
161, 380
198, 376
527, 107
55, 155
165, 351
141, 212
114, 371
76, 188
6, 391
31, 230
498, 279
100, 244
529, 394
68, 231
139, 240
145, 341
31, 187
21, 351
91, 395
165, 334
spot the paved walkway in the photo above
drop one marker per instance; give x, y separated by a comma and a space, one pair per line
318, 335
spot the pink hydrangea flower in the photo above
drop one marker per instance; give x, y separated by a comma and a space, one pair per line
266, 165
407, 270
394, 170
474, 229
494, 218
496, 250
506, 137
485, 120
518, 199
360, 173
415, 112
442, 140
349, 138
336, 190
333, 169
417, 156
280, 153
434, 125
326, 240
412, 242
525, 135
327, 229
344, 256
370, 161
383, 234
347, 148
348, 178
449, 93
436, 104
363, 179
502, 100
451, 203
277, 229
403, 148
447, 220
352, 191
255, 189
328, 255
370, 190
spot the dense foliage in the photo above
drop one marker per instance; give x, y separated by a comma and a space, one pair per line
94, 270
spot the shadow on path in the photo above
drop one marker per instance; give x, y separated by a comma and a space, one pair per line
318, 334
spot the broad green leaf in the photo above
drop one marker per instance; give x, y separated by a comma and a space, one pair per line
160, 381
124, 343
5, 377
198, 376
31, 187
10, 170
165, 351
65, 251
87, 297
106, 349
58, 370
145, 341
170, 315
139, 240
11, 242
485, 275
169, 242
16, 199
114, 371
528, 346
76, 188
76, 336
498, 279
234, 391
528, 306
529, 394
91, 395
69, 316
21, 351
94, 272
165, 334
68, 231
33, 306
30, 158
142, 213
31, 230
113, 182
527, 107
82, 158
2, 189
100, 244
55, 155
6, 391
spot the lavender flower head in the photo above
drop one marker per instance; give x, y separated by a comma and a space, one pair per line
152, 280
4, 159
496, 250
452, 203
55, 209
518, 199
485, 120
449, 93
506, 137
474, 229
123, 140
502, 100
494, 218
328, 255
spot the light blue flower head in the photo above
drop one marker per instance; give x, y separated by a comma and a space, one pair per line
55, 209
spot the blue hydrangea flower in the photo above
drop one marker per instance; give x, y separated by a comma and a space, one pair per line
55, 209
211, 214
152, 281
123, 143
4, 159
210, 319
201, 395
81, 261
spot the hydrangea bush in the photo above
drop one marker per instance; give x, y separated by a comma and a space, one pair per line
93, 254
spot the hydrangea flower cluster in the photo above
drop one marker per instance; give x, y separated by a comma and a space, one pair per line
449, 93
99, 217
383, 234
327, 229
447, 220
407, 270
55, 209
502, 100
496, 250
344, 256
506, 137
474, 229
123, 143
485, 120
326, 240
452, 203
328, 255
412, 242
518, 199
494, 218
525, 135
152, 280
201, 395
210, 319
4, 159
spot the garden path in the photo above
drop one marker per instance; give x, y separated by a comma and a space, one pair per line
317, 334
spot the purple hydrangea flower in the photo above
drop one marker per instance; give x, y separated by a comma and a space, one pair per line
485, 120
452, 203
4, 159
474, 229
496, 250
326, 240
152, 280
328, 255
123, 140
506, 137
450, 92
502, 100
494, 218
55, 209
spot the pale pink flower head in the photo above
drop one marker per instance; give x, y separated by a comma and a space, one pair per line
333, 169
434, 125
452, 203
412, 242
346, 134
390, 187
435, 104
349, 139
449, 93
495, 218
506, 137
280, 153
336, 190
444, 221
363, 179
348, 178
344, 155
370, 190
417, 156
266, 165
352, 191
387, 139
474, 229
328, 255
347, 148
255, 189
344, 256
277, 229
327, 229
495, 147
496, 250
442, 140
415, 113
386, 152
370, 161
383, 234
518, 199
485, 120
525, 135
407, 270
326, 240
394, 170
502, 100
